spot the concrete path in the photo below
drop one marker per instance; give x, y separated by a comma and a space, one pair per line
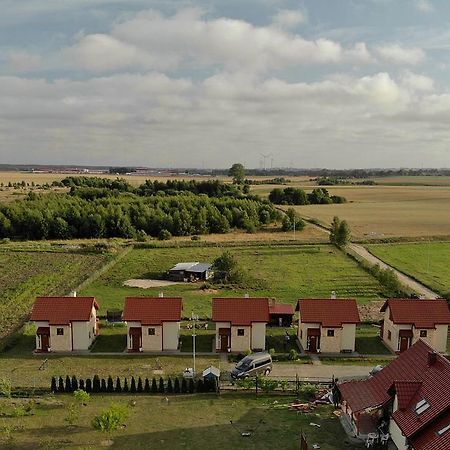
404, 279
311, 371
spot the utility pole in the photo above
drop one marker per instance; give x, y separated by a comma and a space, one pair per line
194, 319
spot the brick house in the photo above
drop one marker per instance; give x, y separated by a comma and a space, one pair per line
153, 323
411, 396
240, 323
65, 324
408, 320
327, 325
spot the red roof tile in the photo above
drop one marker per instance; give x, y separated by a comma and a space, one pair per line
421, 313
413, 379
328, 312
240, 311
280, 308
429, 439
63, 310
152, 310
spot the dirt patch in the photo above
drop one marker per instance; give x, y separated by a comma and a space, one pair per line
147, 284
208, 291
371, 311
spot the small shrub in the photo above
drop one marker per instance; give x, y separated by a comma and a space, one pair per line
81, 397
164, 235
118, 386
110, 385
139, 388
96, 386
154, 388
191, 386
195, 237
110, 419
125, 386
74, 383
103, 387
176, 386
200, 386
81, 385
61, 385
293, 354
133, 386
184, 386
53, 386
147, 386
308, 390
68, 387
161, 389
88, 385
169, 386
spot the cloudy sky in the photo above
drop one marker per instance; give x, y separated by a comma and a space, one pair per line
174, 83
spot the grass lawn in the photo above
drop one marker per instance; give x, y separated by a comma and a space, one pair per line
285, 272
27, 274
112, 338
182, 422
368, 341
427, 262
276, 339
356, 361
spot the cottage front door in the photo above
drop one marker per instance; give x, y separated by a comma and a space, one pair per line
45, 342
313, 344
404, 344
223, 343
135, 342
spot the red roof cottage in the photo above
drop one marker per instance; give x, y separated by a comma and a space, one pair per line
240, 323
408, 320
411, 395
65, 324
153, 323
327, 325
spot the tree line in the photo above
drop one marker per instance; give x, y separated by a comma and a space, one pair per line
295, 196
127, 215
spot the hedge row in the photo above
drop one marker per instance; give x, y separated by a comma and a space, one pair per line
102, 385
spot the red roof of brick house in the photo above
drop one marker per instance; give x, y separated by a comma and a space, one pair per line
417, 379
330, 313
63, 310
240, 311
420, 313
152, 310
281, 309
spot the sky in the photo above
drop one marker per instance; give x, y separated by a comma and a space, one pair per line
196, 83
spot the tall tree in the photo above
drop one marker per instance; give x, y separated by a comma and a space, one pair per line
237, 171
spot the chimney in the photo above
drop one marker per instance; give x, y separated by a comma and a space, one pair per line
272, 302
432, 358
161, 295
247, 295
73, 294
333, 295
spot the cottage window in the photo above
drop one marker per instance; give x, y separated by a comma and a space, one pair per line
60, 331
151, 332
389, 335
421, 406
443, 430
423, 333
330, 333
241, 332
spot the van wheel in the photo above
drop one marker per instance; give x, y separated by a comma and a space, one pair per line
267, 372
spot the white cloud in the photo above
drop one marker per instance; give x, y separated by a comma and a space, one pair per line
290, 18
22, 61
152, 41
418, 82
424, 6
397, 54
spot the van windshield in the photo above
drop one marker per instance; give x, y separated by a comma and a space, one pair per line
244, 364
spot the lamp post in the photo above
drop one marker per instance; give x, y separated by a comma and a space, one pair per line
194, 319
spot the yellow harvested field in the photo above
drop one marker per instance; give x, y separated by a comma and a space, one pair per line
309, 234
375, 212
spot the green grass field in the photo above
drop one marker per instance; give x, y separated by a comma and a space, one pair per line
285, 272
27, 274
181, 422
427, 262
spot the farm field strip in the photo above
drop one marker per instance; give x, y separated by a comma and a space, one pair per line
24, 275
428, 263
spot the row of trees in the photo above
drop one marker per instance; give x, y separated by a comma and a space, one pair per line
132, 386
295, 196
127, 215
